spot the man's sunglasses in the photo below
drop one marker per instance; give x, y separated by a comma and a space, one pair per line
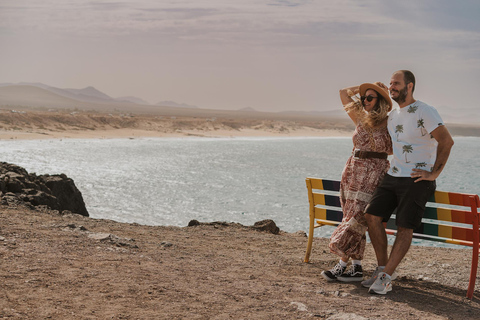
369, 98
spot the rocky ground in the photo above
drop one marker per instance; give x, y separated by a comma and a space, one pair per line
73, 267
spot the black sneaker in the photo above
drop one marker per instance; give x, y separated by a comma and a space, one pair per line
332, 274
354, 273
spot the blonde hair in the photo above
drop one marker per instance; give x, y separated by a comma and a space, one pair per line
373, 118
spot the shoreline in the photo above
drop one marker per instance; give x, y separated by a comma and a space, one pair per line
27, 134
65, 124
44, 125
134, 134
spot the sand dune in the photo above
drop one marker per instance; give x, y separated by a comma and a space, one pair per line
37, 124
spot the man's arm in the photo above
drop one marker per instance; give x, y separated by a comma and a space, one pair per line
445, 144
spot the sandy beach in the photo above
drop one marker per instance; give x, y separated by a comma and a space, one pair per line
67, 124
58, 124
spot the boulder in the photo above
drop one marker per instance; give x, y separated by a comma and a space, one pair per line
57, 192
68, 196
266, 225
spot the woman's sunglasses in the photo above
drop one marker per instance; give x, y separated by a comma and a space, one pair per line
369, 98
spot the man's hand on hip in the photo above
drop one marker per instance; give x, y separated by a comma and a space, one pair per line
420, 175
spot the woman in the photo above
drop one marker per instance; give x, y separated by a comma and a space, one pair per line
362, 173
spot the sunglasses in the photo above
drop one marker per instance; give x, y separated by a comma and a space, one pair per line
369, 98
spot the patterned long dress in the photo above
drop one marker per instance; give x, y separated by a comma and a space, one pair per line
360, 177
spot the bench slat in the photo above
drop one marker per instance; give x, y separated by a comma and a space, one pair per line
327, 214
321, 222
457, 199
449, 233
324, 184
443, 240
326, 199
451, 215
445, 231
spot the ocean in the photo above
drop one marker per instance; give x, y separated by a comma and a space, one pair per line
170, 181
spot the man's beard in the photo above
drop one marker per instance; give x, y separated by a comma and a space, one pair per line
402, 96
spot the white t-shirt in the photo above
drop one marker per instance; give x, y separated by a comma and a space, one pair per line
413, 145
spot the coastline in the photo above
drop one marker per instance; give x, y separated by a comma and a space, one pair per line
67, 124
71, 267
138, 133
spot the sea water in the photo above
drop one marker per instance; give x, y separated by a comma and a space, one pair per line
170, 181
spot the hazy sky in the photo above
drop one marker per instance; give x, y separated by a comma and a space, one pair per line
271, 55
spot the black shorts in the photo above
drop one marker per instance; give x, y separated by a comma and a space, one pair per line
404, 196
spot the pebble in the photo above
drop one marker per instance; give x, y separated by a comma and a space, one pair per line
346, 316
300, 306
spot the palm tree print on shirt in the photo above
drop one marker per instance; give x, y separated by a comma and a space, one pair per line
412, 109
421, 125
394, 169
398, 130
420, 165
407, 149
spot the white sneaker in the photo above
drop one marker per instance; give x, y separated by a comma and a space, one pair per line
382, 284
367, 283
332, 274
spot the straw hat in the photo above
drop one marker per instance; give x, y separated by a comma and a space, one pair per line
381, 91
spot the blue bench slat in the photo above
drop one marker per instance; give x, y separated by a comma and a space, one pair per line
331, 185
333, 201
334, 215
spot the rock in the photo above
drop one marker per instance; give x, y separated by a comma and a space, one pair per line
193, 223
321, 291
301, 233
68, 196
266, 225
42, 198
57, 192
300, 306
113, 239
100, 236
165, 244
346, 316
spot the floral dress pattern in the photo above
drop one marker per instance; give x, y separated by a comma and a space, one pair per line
360, 177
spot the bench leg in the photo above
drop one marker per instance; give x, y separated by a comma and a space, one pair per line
309, 244
476, 238
473, 274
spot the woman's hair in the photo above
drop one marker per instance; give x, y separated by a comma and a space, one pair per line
373, 118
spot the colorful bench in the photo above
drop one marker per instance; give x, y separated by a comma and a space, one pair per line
461, 215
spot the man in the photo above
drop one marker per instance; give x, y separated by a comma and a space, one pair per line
421, 146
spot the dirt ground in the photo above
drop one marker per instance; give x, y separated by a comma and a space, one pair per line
73, 267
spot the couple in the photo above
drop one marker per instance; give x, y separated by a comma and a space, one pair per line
371, 188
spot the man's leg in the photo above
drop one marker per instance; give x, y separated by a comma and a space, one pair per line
400, 248
376, 232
